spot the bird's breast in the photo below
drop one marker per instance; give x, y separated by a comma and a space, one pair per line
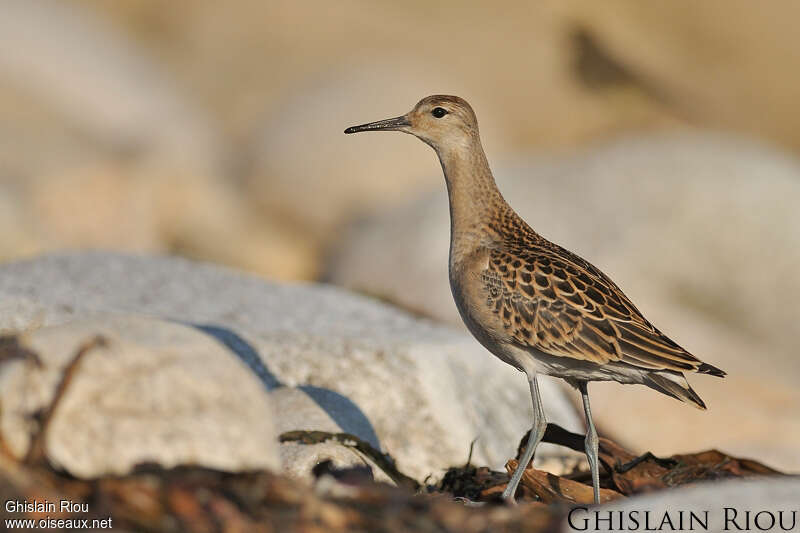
470, 295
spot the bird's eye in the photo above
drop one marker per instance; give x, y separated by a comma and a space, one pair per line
439, 112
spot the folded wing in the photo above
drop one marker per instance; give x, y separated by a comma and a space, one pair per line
553, 300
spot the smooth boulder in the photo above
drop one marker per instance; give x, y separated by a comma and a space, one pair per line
420, 391
151, 391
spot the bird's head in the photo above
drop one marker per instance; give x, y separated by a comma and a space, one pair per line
437, 120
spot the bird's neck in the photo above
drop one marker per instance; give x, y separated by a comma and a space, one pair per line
474, 197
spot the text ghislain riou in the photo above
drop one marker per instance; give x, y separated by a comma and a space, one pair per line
732, 519
46, 506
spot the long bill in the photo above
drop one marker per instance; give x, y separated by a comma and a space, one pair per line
389, 124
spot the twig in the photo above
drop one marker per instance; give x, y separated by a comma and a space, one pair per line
10, 349
384, 461
36, 452
555, 434
646, 456
469, 457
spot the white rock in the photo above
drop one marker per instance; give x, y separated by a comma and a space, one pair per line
701, 231
420, 391
158, 392
302, 407
733, 505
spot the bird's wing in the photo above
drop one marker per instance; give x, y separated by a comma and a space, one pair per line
553, 300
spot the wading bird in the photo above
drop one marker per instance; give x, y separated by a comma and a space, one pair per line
532, 303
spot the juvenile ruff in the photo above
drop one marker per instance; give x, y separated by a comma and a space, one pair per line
532, 303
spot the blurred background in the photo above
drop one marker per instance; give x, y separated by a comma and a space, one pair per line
658, 140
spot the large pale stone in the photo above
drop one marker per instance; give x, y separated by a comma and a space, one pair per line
700, 230
157, 392
420, 391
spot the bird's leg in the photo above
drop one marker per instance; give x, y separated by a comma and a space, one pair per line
591, 441
535, 436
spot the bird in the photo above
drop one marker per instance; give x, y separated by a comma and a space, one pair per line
530, 302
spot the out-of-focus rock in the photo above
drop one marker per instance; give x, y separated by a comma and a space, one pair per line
701, 231
68, 61
522, 63
208, 218
187, 86
149, 209
735, 75
306, 169
155, 392
101, 206
100, 147
17, 236
420, 391
287, 100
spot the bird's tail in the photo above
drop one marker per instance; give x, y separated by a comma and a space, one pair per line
673, 384
705, 368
